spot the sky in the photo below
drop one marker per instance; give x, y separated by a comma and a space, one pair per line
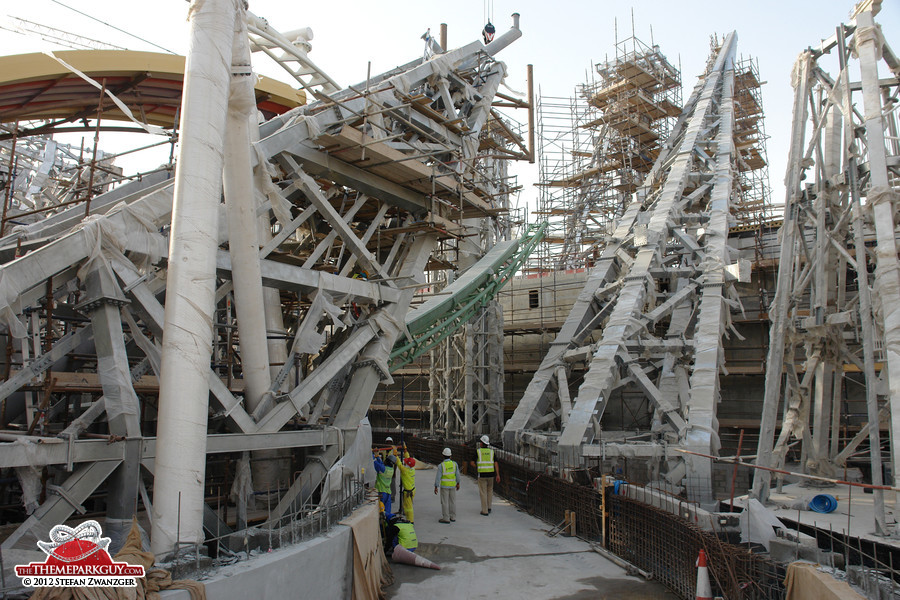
561, 39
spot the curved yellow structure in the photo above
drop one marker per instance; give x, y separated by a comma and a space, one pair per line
37, 87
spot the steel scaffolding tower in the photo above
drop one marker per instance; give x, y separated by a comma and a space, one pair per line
465, 378
753, 205
830, 317
658, 301
599, 145
348, 196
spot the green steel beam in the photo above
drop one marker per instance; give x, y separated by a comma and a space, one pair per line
443, 315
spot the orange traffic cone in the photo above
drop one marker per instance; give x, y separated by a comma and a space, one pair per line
402, 555
704, 589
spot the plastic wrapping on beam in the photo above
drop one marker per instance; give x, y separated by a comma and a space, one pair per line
864, 34
355, 464
190, 290
308, 339
242, 489
263, 172
378, 351
30, 482
22, 274
120, 398
63, 221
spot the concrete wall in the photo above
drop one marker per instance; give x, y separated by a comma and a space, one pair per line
552, 293
317, 568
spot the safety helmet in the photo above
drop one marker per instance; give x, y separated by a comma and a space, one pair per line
410, 462
388, 439
446, 452
485, 440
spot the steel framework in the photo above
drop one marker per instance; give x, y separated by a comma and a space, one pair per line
659, 301
349, 196
598, 146
831, 319
466, 379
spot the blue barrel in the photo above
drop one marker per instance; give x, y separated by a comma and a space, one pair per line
823, 503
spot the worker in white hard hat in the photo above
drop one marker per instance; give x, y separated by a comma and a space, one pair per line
488, 473
447, 480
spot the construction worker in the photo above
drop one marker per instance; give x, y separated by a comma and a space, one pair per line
488, 472
407, 468
392, 449
401, 532
384, 473
447, 479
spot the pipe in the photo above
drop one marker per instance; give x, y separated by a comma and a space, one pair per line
629, 568
444, 36
530, 77
190, 285
506, 39
784, 472
240, 210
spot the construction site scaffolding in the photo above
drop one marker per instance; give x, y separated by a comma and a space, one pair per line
599, 145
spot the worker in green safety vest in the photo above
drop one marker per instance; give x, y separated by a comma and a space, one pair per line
488, 473
384, 474
447, 480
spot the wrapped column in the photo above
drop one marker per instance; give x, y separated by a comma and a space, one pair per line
190, 286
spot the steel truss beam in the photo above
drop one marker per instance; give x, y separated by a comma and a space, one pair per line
658, 237
335, 180
828, 311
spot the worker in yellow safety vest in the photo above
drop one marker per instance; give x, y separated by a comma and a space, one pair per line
488, 473
447, 480
402, 533
407, 468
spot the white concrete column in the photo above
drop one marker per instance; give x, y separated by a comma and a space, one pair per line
190, 286
882, 199
243, 241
